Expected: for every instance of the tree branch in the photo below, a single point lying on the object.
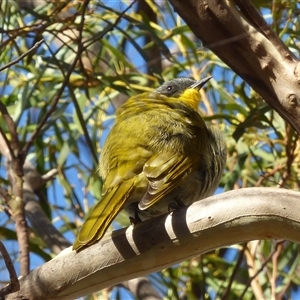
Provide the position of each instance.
(32, 182)
(40, 223)
(15, 173)
(225, 219)
(14, 285)
(35, 46)
(238, 36)
(63, 85)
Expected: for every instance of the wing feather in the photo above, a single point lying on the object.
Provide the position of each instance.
(164, 172)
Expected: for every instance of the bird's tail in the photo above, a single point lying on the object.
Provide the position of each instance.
(103, 214)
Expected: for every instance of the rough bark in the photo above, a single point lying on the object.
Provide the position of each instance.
(239, 36)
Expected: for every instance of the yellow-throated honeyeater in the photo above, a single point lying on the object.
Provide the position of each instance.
(159, 155)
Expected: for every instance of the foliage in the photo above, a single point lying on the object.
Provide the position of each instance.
(92, 58)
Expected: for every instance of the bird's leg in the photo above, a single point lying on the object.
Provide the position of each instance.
(175, 205)
(136, 219)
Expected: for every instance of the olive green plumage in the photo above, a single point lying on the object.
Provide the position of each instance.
(159, 155)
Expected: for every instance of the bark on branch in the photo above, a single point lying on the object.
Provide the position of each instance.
(240, 37)
(224, 219)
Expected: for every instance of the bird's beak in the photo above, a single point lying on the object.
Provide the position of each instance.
(199, 84)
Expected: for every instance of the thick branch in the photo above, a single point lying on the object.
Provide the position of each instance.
(249, 48)
(40, 222)
(224, 219)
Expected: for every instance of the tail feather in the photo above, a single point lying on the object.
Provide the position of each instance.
(103, 214)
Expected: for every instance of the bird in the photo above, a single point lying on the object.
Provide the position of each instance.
(159, 156)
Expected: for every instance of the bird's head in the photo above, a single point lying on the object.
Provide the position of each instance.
(185, 89)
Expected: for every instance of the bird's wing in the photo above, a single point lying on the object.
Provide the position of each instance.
(103, 213)
(164, 171)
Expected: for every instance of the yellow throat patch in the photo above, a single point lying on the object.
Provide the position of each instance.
(192, 97)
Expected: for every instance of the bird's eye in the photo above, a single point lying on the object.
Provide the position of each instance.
(170, 88)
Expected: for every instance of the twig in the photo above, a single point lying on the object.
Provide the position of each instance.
(14, 284)
(273, 276)
(235, 270)
(5, 147)
(110, 27)
(4, 194)
(36, 45)
(290, 146)
(267, 175)
(59, 93)
(81, 48)
(260, 269)
(13, 144)
(49, 175)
